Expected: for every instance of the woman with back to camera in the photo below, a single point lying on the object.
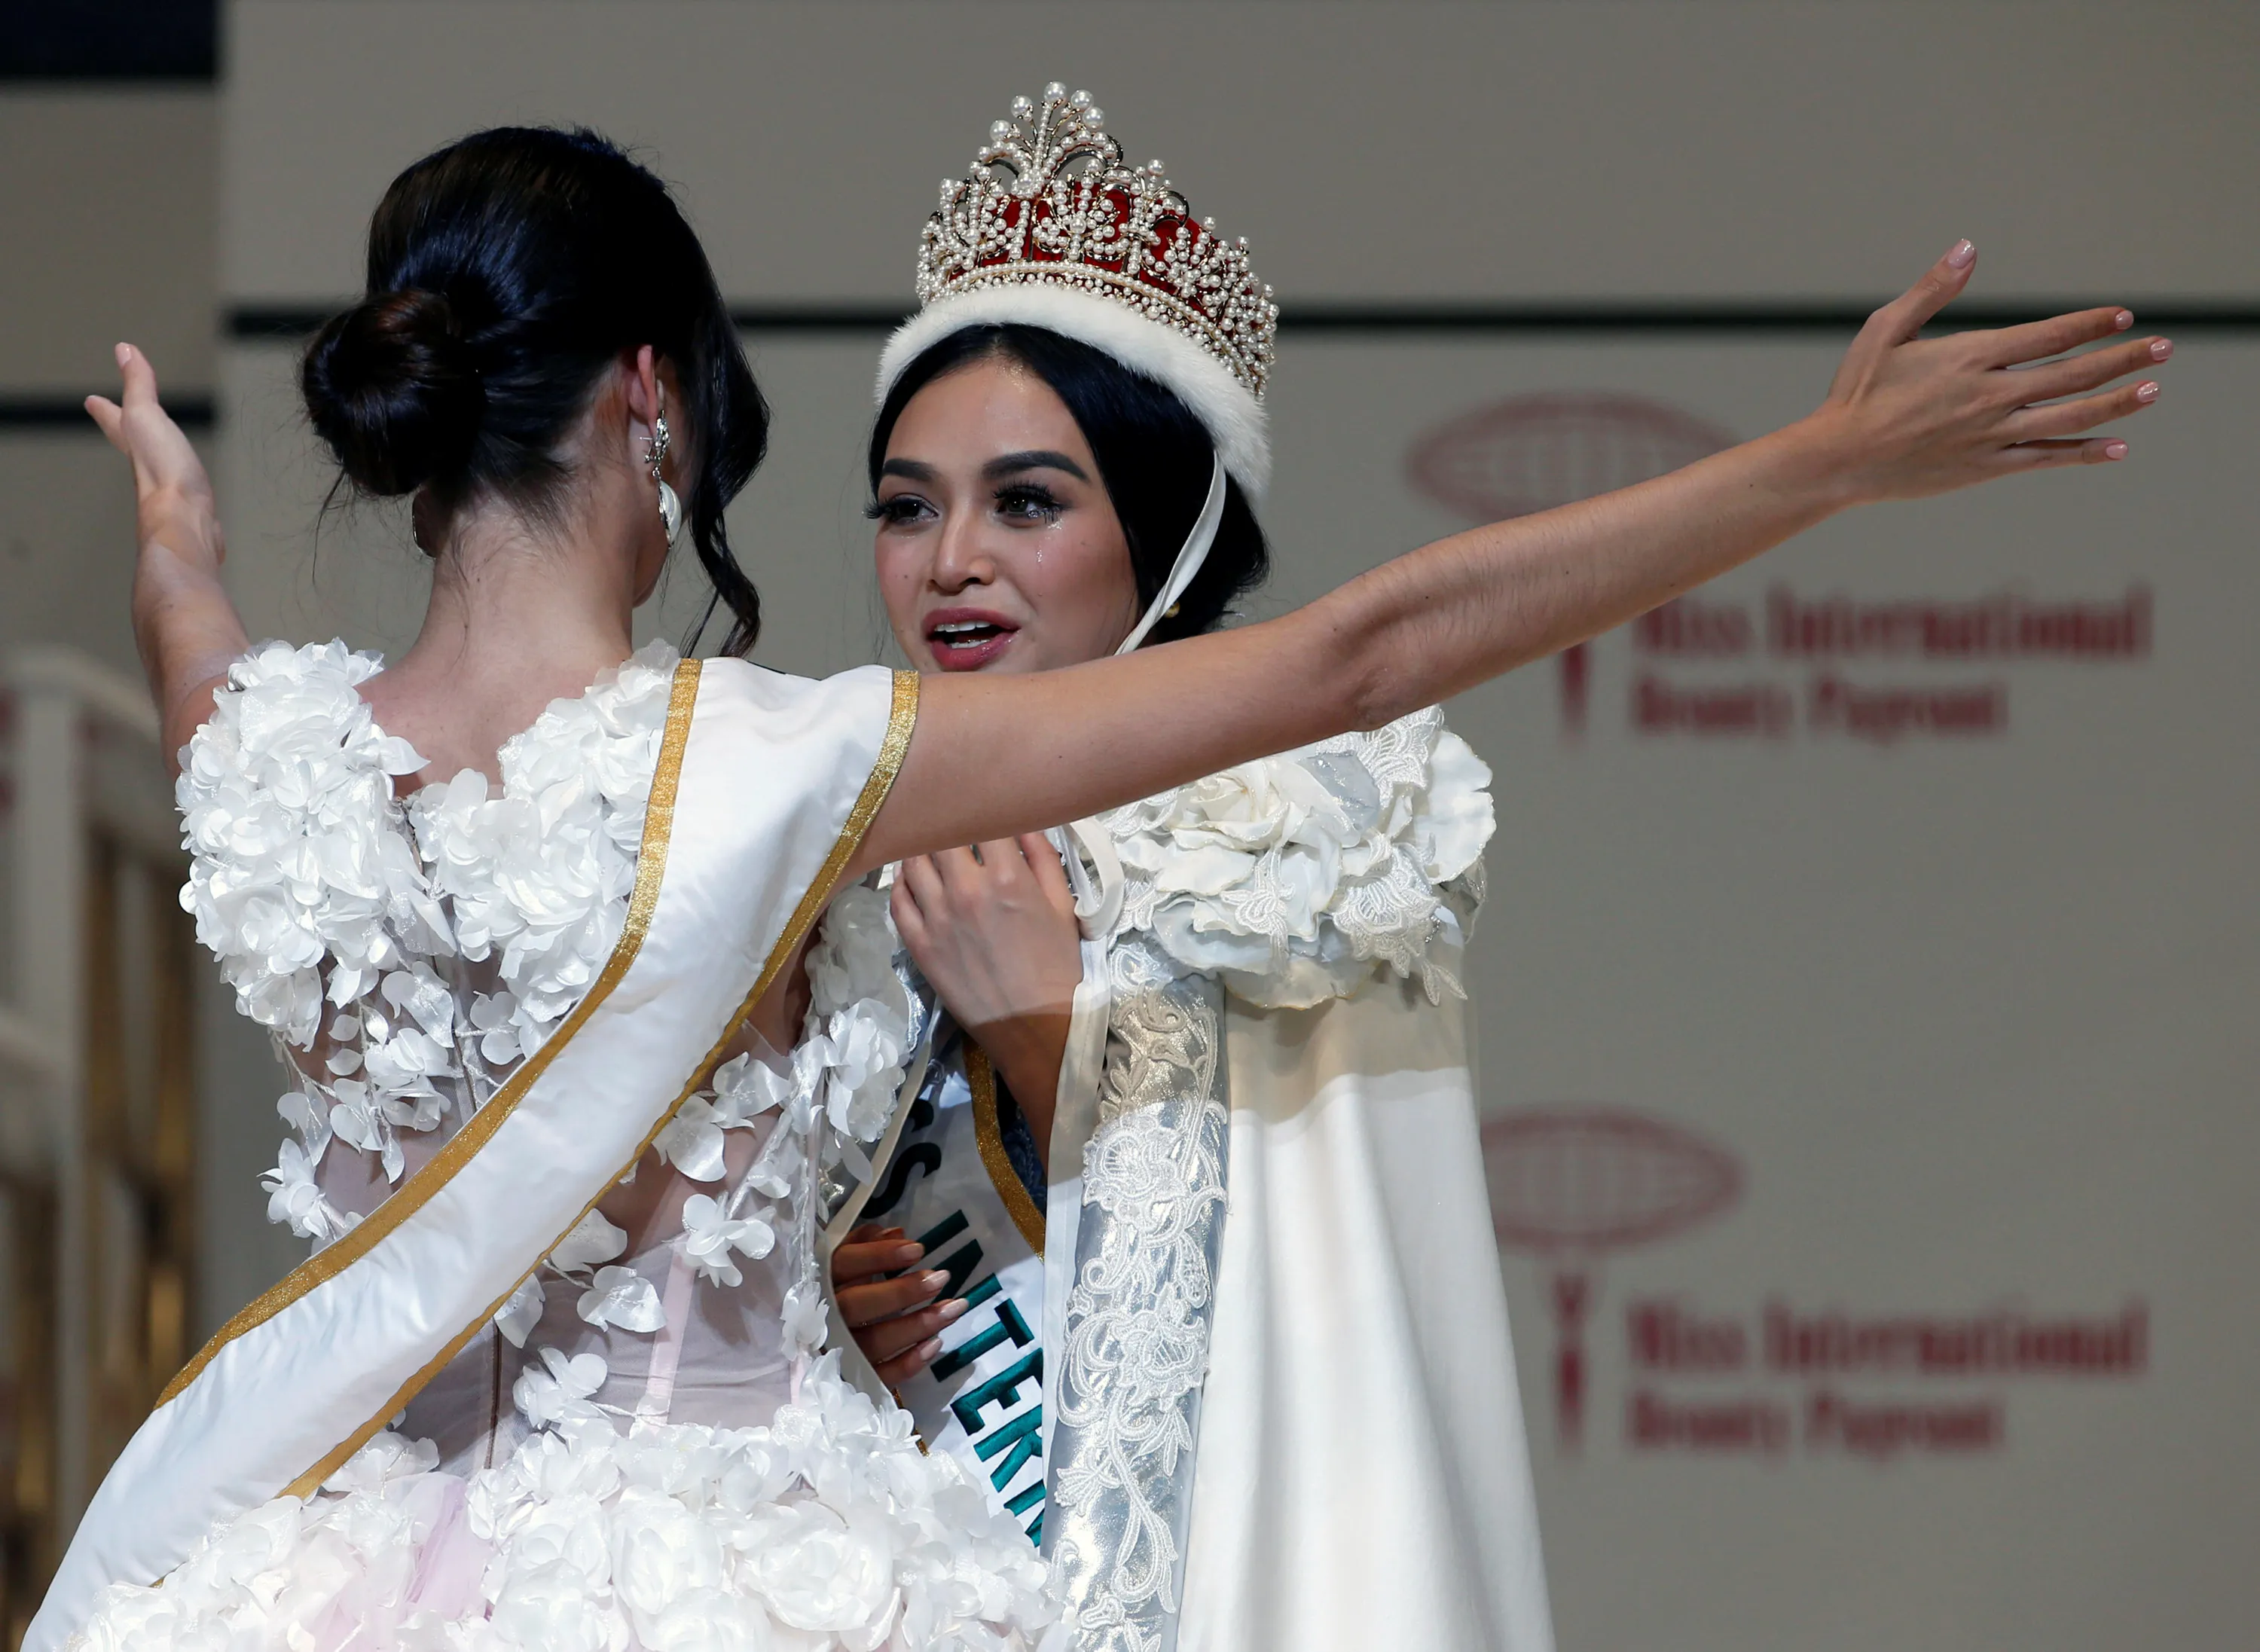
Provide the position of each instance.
(574, 1094)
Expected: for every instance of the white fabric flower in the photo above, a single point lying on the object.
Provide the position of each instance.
(552, 1611)
(592, 1240)
(559, 1389)
(573, 1465)
(865, 1054)
(388, 1458)
(523, 1311)
(359, 1120)
(818, 1569)
(662, 1552)
(745, 1089)
(1452, 819)
(805, 1316)
(622, 1297)
(494, 1018)
(691, 1140)
(310, 1117)
(405, 1065)
(294, 1199)
(836, 1092)
(775, 1171)
(1295, 877)
(418, 991)
(709, 1236)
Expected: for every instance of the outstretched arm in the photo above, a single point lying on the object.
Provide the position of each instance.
(1906, 418)
(186, 628)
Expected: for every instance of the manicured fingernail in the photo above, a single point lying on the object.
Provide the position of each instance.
(2146, 392)
(934, 1279)
(927, 1349)
(124, 353)
(2123, 320)
(952, 1308)
(2115, 450)
(1959, 254)
(2162, 349)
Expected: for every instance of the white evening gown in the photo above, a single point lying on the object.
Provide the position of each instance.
(645, 1446)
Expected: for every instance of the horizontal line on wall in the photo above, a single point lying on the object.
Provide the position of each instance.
(1709, 317)
(253, 322)
(68, 412)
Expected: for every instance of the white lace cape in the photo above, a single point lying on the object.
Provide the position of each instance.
(1288, 882)
(343, 919)
(1297, 878)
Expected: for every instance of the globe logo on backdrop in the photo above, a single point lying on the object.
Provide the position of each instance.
(1531, 453)
(1570, 1185)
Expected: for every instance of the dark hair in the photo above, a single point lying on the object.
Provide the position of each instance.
(506, 272)
(1153, 457)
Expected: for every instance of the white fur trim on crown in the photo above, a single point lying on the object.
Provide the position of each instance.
(1235, 420)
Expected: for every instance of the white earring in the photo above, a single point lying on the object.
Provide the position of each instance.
(654, 450)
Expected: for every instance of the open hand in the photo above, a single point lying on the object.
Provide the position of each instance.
(888, 1304)
(173, 495)
(1910, 416)
(184, 626)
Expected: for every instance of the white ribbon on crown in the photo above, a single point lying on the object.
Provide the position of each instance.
(1193, 553)
(1096, 872)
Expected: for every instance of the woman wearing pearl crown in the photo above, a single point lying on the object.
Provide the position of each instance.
(580, 1089)
(1190, 1197)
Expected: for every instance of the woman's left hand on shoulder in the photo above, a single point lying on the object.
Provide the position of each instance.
(993, 927)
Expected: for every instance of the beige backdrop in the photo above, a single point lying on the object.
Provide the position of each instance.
(1957, 1024)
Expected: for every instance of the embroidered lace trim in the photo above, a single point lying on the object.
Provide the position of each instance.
(1138, 1315)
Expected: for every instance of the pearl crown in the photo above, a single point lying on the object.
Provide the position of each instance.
(1049, 199)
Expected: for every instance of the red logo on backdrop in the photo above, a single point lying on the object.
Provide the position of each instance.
(1531, 453)
(1571, 1184)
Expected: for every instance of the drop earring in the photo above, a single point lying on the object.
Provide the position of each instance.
(654, 450)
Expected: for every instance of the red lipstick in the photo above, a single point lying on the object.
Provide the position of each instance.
(967, 639)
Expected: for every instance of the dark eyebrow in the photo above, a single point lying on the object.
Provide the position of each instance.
(910, 470)
(1034, 459)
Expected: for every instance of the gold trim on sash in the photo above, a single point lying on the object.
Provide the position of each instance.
(435, 1174)
(901, 717)
(981, 1078)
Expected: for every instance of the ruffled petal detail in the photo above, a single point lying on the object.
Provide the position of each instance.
(338, 914)
(540, 874)
(1297, 877)
(828, 1530)
(285, 799)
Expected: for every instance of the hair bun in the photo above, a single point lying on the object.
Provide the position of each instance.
(391, 387)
